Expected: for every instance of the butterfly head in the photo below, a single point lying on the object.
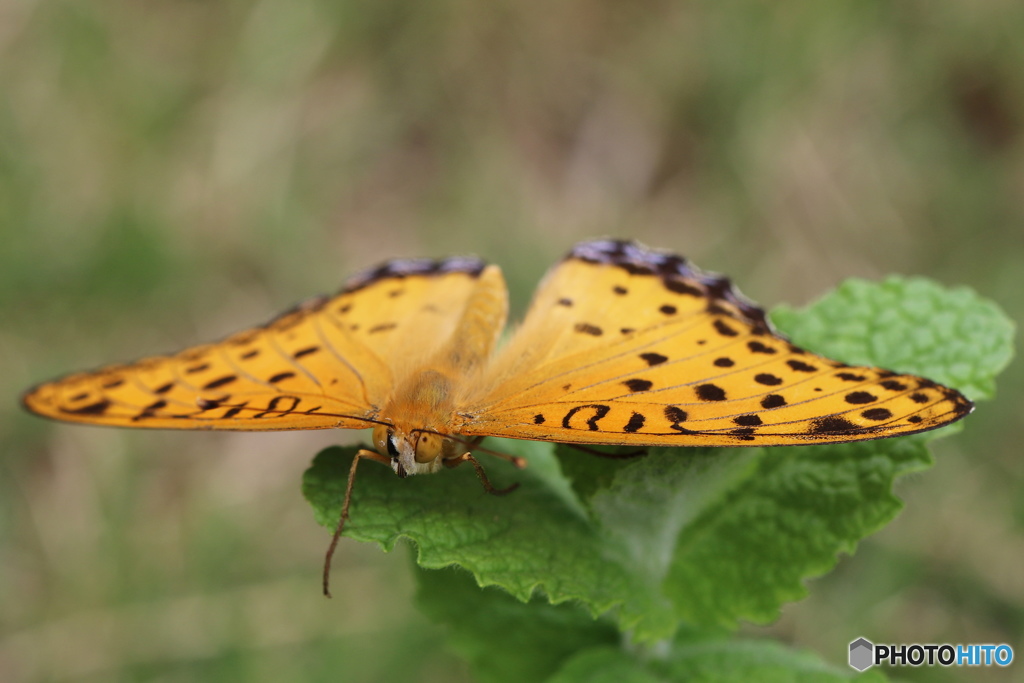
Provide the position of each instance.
(413, 451)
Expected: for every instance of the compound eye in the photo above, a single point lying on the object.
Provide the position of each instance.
(428, 447)
(392, 446)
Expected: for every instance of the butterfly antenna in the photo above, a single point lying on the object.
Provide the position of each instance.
(344, 513)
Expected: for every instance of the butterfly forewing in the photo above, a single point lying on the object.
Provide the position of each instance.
(634, 346)
(327, 363)
(406, 310)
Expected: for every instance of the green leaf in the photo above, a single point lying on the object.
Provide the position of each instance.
(751, 550)
(606, 665)
(537, 537)
(703, 537)
(737, 661)
(505, 640)
(911, 325)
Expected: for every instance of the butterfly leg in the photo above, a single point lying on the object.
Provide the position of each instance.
(362, 453)
(474, 445)
(466, 457)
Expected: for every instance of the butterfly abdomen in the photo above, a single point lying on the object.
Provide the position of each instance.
(480, 325)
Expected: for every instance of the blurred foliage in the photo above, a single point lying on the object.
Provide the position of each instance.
(171, 172)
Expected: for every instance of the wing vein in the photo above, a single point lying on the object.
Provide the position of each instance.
(272, 338)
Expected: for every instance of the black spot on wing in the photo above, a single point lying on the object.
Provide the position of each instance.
(636, 421)
(961, 405)
(680, 287)
(724, 362)
(675, 415)
(305, 352)
(710, 392)
(278, 406)
(767, 379)
(599, 412)
(859, 397)
(717, 309)
(758, 347)
(636, 385)
(723, 329)
(231, 412)
(772, 401)
(587, 328)
(831, 425)
(877, 414)
(97, 408)
(653, 358)
(801, 366)
(743, 433)
(220, 381)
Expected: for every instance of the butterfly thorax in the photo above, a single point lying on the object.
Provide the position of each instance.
(421, 408)
(418, 415)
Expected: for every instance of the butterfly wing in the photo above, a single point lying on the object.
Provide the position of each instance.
(329, 362)
(627, 345)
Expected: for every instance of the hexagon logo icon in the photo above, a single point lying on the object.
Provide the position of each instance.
(862, 654)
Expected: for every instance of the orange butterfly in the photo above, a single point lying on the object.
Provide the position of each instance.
(621, 345)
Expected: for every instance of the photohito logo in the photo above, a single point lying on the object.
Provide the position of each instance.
(865, 654)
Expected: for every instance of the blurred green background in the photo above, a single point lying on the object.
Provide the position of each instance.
(174, 171)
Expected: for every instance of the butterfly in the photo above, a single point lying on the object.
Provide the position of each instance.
(621, 344)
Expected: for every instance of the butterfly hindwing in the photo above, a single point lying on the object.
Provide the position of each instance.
(627, 345)
(329, 362)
